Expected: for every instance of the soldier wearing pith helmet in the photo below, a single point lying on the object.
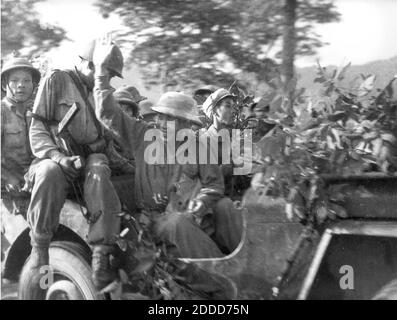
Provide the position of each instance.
(129, 98)
(178, 107)
(56, 169)
(19, 64)
(174, 196)
(200, 95)
(19, 80)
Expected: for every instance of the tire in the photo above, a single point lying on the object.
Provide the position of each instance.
(70, 263)
(388, 292)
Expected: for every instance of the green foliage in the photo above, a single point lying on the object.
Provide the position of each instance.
(22, 29)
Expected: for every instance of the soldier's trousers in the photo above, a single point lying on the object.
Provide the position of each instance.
(49, 193)
(193, 242)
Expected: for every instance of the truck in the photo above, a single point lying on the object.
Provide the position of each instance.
(352, 258)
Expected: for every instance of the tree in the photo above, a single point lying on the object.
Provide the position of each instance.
(22, 29)
(287, 66)
(211, 41)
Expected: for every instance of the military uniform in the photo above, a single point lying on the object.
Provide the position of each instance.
(16, 155)
(55, 96)
(209, 107)
(179, 183)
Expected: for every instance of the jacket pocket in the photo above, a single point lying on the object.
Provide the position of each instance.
(13, 137)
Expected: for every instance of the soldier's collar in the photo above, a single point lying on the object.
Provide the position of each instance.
(17, 107)
(85, 86)
(11, 104)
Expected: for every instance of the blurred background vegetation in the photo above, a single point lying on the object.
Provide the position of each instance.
(23, 32)
(182, 44)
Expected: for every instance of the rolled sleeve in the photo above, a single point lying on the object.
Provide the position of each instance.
(41, 142)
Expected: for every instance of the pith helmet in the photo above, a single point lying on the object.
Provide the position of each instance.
(145, 108)
(115, 60)
(214, 99)
(136, 96)
(178, 105)
(19, 63)
(87, 51)
(206, 89)
(123, 96)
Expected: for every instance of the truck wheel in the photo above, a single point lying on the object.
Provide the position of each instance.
(388, 292)
(70, 263)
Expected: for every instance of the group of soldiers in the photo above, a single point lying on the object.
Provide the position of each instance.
(103, 132)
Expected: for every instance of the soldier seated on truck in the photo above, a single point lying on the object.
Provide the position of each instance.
(128, 97)
(64, 161)
(200, 95)
(219, 108)
(174, 197)
(18, 79)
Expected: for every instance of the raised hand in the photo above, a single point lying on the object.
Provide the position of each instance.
(102, 52)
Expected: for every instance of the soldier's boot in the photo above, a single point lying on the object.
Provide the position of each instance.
(33, 284)
(102, 272)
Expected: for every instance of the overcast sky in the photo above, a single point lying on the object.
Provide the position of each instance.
(80, 19)
(367, 31)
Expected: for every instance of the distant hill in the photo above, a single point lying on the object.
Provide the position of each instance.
(384, 70)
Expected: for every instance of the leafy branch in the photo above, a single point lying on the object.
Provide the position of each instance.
(343, 131)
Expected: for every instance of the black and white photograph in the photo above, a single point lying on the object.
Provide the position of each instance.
(216, 152)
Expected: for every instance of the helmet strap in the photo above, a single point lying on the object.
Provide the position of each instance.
(13, 95)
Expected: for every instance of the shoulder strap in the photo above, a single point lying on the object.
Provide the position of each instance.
(87, 102)
(42, 119)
